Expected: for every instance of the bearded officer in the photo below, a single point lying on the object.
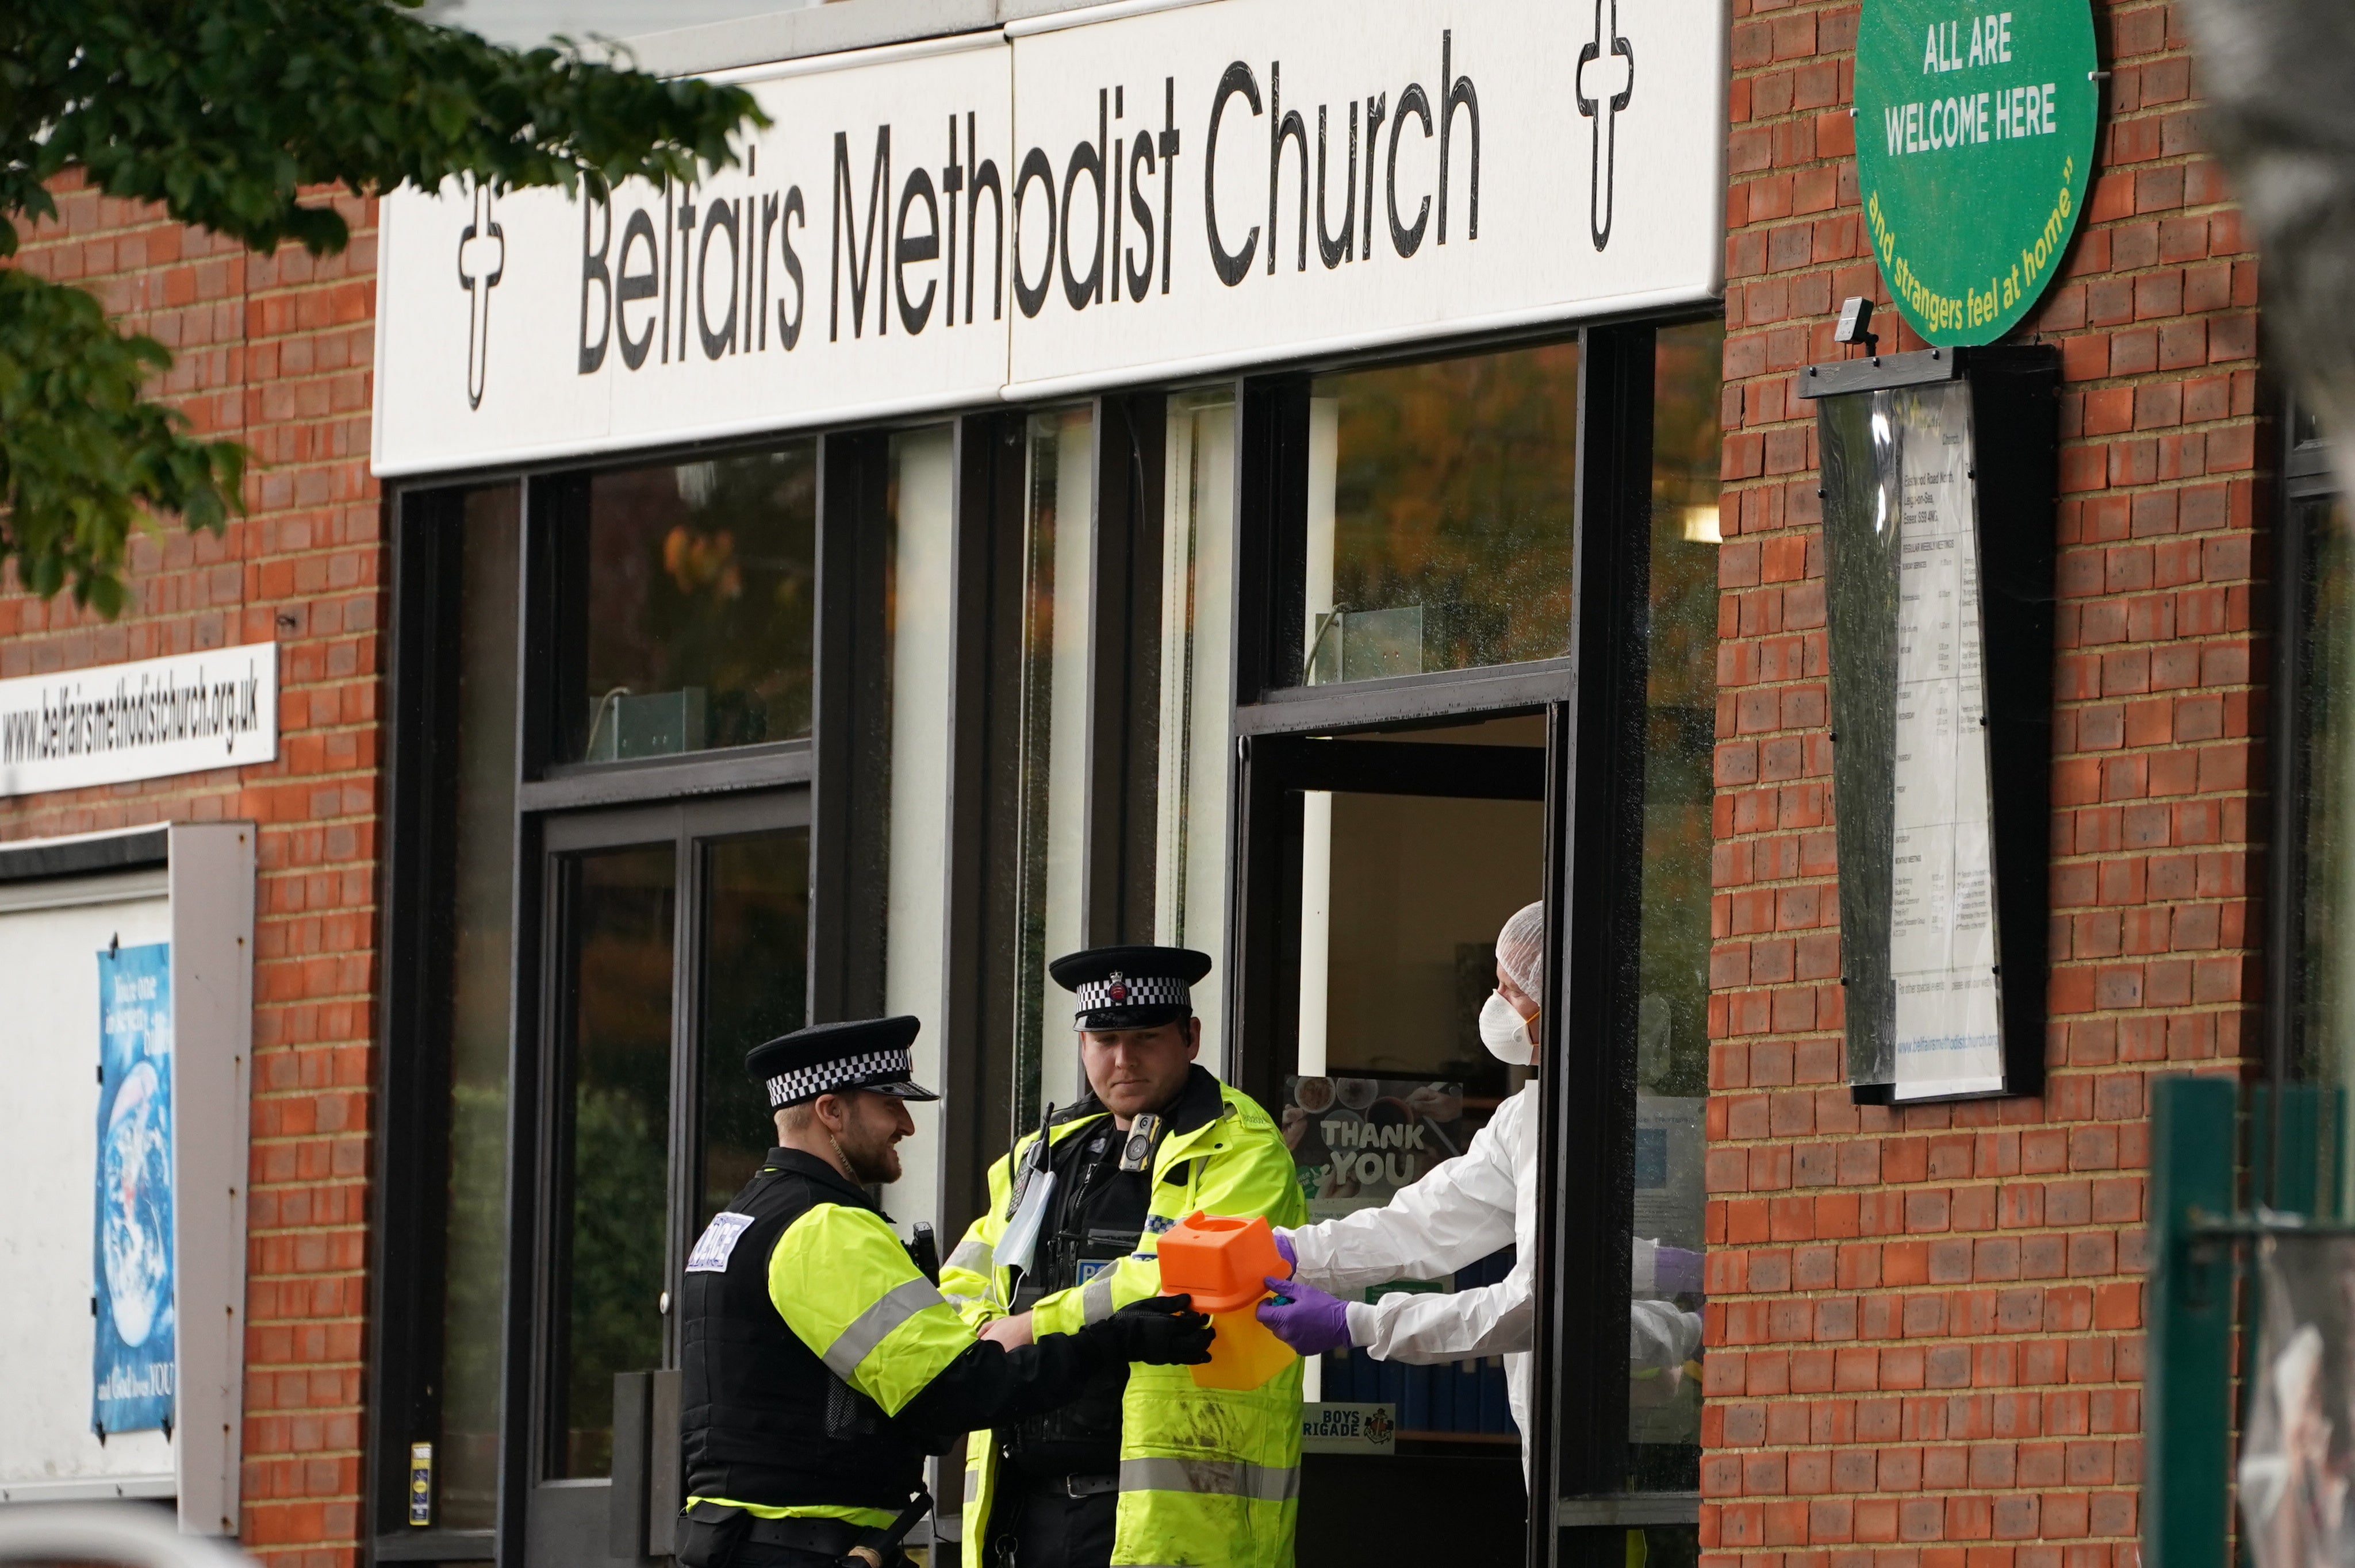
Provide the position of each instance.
(1143, 1467)
(820, 1365)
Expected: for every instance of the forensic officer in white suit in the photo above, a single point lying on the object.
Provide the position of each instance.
(1463, 1211)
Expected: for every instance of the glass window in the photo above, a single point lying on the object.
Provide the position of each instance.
(920, 559)
(2326, 737)
(1198, 588)
(614, 1147)
(1056, 550)
(1441, 504)
(2305, 425)
(679, 938)
(755, 955)
(481, 961)
(687, 606)
(1672, 1022)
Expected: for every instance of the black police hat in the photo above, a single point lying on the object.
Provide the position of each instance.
(868, 1054)
(1132, 986)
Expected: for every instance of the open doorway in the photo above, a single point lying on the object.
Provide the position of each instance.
(1415, 846)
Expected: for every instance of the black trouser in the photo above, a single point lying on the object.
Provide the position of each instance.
(726, 1538)
(760, 1554)
(1037, 1523)
(753, 1554)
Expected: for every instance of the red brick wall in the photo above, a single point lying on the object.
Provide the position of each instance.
(275, 351)
(1926, 1326)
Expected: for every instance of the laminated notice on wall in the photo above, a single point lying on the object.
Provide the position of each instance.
(133, 1370)
(1942, 935)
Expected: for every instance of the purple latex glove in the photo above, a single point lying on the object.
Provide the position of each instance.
(1290, 1258)
(1676, 1271)
(1310, 1322)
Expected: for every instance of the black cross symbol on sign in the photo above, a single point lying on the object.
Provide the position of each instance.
(1613, 83)
(481, 261)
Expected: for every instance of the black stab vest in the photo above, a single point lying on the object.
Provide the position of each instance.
(1096, 1216)
(764, 1419)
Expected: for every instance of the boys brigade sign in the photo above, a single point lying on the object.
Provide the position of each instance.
(1974, 144)
(1067, 205)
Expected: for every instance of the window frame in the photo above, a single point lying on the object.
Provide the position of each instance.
(838, 765)
(408, 1249)
(689, 826)
(1594, 769)
(2306, 477)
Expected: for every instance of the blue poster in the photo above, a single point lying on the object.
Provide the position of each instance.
(132, 1374)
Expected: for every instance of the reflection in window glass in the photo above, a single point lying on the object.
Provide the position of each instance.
(1196, 690)
(483, 889)
(692, 607)
(614, 1147)
(1672, 1033)
(1055, 556)
(1441, 504)
(755, 987)
(2326, 733)
(920, 559)
(2305, 425)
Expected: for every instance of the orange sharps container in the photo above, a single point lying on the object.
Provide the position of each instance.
(1223, 1264)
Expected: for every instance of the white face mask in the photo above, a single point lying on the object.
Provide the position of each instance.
(1505, 1031)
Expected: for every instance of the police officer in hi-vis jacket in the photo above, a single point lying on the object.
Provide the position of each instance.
(1143, 1467)
(819, 1364)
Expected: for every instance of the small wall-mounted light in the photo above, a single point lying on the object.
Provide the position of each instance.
(1856, 324)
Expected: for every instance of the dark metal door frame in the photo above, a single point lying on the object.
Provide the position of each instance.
(567, 1518)
(1592, 783)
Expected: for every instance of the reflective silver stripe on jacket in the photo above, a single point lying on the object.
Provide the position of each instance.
(1095, 1298)
(899, 1304)
(973, 1487)
(973, 1255)
(1219, 1477)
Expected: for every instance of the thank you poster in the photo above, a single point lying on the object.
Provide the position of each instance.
(132, 1374)
(1356, 1141)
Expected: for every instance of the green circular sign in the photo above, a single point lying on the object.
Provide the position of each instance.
(1974, 143)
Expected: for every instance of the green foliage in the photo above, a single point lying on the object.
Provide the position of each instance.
(243, 116)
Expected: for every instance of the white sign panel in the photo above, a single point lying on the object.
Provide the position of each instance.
(1941, 936)
(113, 724)
(49, 1153)
(152, 1154)
(1328, 177)
(1150, 195)
(828, 276)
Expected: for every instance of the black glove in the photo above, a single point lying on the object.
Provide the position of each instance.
(1160, 1330)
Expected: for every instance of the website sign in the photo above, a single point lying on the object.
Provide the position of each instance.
(115, 724)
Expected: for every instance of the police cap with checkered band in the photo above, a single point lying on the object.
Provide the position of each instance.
(868, 1054)
(1131, 986)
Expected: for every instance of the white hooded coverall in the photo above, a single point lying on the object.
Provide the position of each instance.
(1463, 1210)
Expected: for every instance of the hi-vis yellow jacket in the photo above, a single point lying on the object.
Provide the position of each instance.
(1208, 1478)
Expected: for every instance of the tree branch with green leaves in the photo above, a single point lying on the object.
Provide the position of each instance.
(243, 117)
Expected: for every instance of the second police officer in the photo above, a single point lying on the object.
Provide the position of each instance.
(1143, 1467)
(819, 1364)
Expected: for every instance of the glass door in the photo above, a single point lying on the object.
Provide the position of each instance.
(675, 938)
(1397, 858)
